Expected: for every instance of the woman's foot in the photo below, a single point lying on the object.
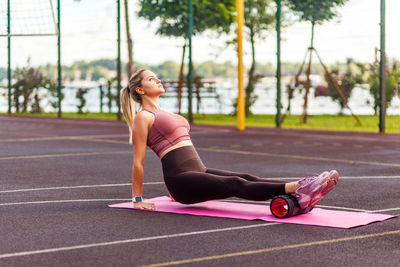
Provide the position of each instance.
(313, 189)
(333, 180)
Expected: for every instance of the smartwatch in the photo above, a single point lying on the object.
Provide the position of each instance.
(137, 199)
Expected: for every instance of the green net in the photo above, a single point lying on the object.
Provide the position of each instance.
(28, 18)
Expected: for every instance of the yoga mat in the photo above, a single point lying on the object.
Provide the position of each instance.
(318, 217)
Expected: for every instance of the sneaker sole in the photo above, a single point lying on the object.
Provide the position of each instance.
(325, 188)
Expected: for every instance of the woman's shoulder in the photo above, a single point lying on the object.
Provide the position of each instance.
(144, 114)
(144, 118)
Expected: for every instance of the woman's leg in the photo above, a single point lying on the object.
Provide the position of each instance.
(193, 187)
(247, 176)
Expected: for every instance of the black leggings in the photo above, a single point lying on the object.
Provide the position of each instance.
(189, 181)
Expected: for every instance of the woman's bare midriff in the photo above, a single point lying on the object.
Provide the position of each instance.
(180, 144)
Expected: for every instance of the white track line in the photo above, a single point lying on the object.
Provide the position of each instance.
(118, 242)
(73, 187)
(342, 208)
(61, 187)
(71, 137)
(63, 201)
(290, 132)
(157, 183)
(370, 177)
(126, 199)
(352, 136)
(63, 121)
(391, 209)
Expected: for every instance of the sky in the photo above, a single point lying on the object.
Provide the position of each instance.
(89, 32)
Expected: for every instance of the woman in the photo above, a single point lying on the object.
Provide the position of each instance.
(187, 179)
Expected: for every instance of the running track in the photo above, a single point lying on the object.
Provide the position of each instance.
(58, 175)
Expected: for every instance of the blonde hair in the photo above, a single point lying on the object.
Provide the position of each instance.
(128, 98)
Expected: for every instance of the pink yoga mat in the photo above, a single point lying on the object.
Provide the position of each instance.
(319, 217)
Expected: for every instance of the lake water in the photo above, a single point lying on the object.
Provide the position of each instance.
(227, 91)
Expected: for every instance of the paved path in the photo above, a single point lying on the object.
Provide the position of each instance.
(58, 175)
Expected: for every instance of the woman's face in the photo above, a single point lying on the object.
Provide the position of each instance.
(151, 85)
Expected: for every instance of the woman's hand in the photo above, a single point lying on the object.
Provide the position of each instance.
(144, 205)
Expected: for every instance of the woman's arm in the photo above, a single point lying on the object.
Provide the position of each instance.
(139, 139)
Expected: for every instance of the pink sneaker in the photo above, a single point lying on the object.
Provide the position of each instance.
(310, 191)
(332, 182)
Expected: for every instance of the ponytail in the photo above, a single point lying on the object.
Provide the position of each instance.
(128, 108)
(128, 98)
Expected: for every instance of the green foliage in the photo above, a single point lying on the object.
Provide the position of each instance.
(110, 64)
(249, 99)
(392, 82)
(96, 69)
(26, 89)
(168, 70)
(347, 80)
(355, 73)
(288, 68)
(111, 97)
(52, 87)
(49, 70)
(80, 94)
(315, 11)
(259, 17)
(212, 69)
(322, 122)
(173, 15)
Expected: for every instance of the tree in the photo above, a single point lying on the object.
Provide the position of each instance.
(210, 68)
(27, 85)
(167, 70)
(130, 65)
(259, 17)
(316, 12)
(392, 82)
(52, 87)
(80, 95)
(352, 75)
(173, 15)
(173, 19)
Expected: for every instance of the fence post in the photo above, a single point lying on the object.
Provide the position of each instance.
(59, 57)
(382, 74)
(9, 54)
(240, 101)
(101, 98)
(118, 58)
(190, 72)
(278, 65)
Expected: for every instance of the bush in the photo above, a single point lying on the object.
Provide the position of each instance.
(26, 89)
(80, 94)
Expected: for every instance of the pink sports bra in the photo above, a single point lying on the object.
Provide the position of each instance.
(168, 129)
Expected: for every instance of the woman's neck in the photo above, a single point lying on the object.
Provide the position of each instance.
(152, 105)
(151, 108)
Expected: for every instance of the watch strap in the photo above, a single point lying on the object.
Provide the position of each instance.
(137, 199)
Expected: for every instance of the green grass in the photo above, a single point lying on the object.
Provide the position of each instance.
(321, 122)
(324, 122)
